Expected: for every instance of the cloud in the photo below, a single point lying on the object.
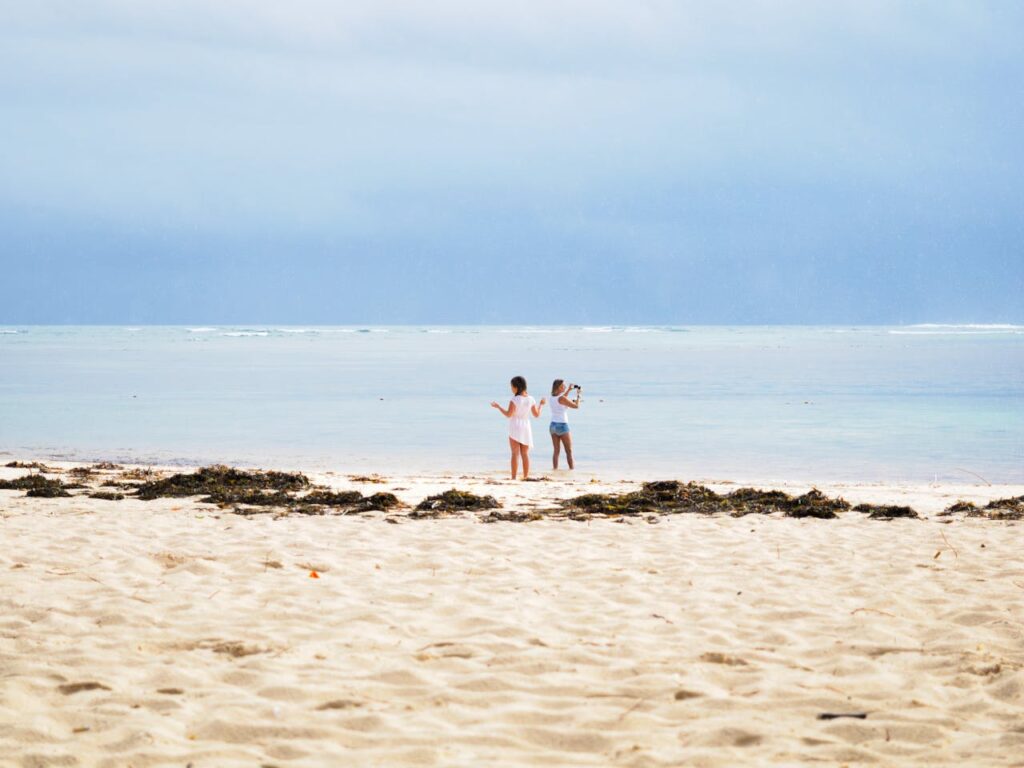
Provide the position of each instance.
(651, 132)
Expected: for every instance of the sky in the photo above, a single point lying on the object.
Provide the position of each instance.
(549, 162)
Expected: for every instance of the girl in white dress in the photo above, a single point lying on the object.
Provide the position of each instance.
(520, 435)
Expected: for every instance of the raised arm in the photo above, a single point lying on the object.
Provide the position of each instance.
(535, 410)
(506, 412)
(567, 402)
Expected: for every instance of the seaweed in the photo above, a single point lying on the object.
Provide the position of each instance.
(816, 504)
(53, 490)
(222, 484)
(1006, 509)
(754, 501)
(28, 465)
(961, 506)
(106, 496)
(25, 483)
(998, 509)
(668, 497)
(37, 486)
(137, 473)
(378, 502)
(886, 511)
(332, 498)
(252, 497)
(757, 496)
(661, 496)
(317, 502)
(456, 501)
(511, 517)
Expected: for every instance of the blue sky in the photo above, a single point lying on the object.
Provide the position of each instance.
(537, 162)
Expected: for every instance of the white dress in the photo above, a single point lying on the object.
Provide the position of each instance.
(519, 425)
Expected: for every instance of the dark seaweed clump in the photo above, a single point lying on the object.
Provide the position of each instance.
(54, 489)
(885, 511)
(106, 495)
(668, 497)
(333, 498)
(814, 503)
(244, 490)
(27, 465)
(378, 502)
(999, 509)
(225, 485)
(511, 517)
(37, 486)
(352, 501)
(252, 497)
(453, 501)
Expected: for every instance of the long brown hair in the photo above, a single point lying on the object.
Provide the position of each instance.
(519, 384)
(555, 385)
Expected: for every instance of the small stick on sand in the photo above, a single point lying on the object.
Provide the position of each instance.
(873, 610)
(961, 469)
(955, 553)
(636, 704)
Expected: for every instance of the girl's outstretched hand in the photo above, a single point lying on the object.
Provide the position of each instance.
(542, 401)
(494, 405)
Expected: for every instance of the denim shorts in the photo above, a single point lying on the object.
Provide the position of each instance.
(558, 428)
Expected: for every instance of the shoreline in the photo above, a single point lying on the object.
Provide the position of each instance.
(550, 486)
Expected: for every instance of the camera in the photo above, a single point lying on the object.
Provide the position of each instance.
(571, 387)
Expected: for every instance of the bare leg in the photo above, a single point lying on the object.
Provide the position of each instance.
(515, 457)
(525, 451)
(557, 445)
(567, 443)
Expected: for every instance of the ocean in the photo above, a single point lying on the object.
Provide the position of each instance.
(921, 403)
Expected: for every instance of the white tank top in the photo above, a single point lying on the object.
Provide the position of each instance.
(559, 412)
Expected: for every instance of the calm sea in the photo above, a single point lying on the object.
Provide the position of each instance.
(916, 403)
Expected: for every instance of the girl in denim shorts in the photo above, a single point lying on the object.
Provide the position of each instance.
(559, 428)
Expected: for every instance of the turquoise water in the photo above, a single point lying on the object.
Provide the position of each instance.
(917, 403)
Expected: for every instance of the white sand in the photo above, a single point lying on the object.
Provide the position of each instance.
(695, 641)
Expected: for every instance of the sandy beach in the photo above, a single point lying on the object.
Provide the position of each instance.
(173, 632)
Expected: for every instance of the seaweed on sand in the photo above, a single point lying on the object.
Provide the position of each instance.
(106, 495)
(350, 501)
(1006, 509)
(660, 496)
(37, 486)
(223, 484)
(27, 465)
(511, 517)
(378, 502)
(814, 503)
(754, 501)
(52, 490)
(886, 511)
(140, 473)
(668, 497)
(252, 497)
(452, 501)
(318, 504)
(332, 498)
(998, 509)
